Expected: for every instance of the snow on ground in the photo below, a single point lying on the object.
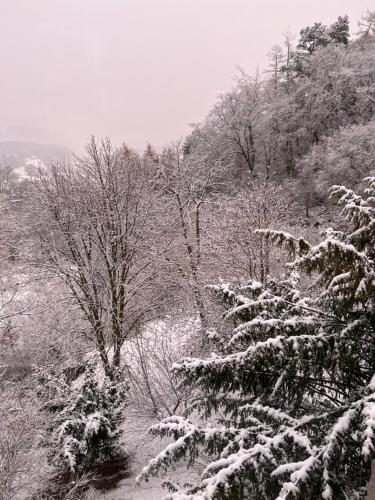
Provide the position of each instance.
(141, 446)
(128, 490)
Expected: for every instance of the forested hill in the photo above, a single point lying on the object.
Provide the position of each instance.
(308, 120)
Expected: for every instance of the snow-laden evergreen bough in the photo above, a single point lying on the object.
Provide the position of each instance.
(84, 429)
(295, 379)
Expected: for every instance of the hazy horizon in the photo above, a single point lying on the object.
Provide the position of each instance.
(137, 71)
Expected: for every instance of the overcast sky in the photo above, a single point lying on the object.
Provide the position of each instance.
(135, 70)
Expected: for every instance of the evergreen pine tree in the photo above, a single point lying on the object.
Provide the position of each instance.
(339, 31)
(285, 406)
(84, 429)
(313, 37)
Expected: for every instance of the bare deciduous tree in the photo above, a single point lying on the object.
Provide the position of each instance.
(242, 253)
(236, 118)
(99, 235)
(276, 59)
(154, 392)
(188, 188)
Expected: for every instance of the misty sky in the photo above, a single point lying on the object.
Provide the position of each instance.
(134, 70)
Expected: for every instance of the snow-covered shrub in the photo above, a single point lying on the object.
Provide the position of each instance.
(22, 461)
(84, 429)
(294, 383)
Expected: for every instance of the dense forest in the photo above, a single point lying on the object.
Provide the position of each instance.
(219, 293)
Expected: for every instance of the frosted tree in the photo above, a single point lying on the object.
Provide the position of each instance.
(339, 32)
(313, 37)
(276, 59)
(345, 157)
(287, 68)
(236, 116)
(99, 235)
(187, 189)
(84, 428)
(242, 254)
(319, 35)
(285, 405)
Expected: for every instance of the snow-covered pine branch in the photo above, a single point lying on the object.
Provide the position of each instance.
(293, 385)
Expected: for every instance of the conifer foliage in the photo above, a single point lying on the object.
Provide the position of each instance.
(285, 406)
(84, 429)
